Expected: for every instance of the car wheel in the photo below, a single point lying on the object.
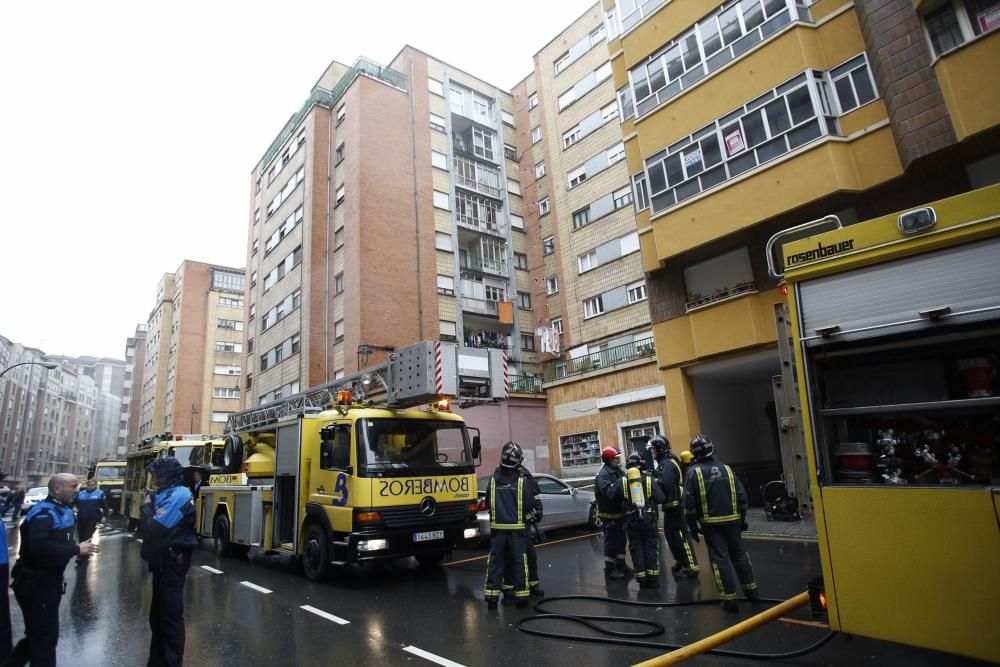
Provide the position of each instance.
(316, 554)
(220, 536)
(594, 522)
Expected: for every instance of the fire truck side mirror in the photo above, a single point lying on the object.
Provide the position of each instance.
(477, 447)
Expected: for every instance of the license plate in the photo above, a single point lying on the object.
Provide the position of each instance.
(428, 536)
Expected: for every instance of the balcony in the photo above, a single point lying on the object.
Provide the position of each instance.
(472, 263)
(607, 358)
(481, 306)
(971, 93)
(480, 215)
(695, 301)
(525, 384)
(477, 177)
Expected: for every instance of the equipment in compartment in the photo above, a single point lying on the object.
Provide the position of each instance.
(977, 376)
(854, 462)
(890, 466)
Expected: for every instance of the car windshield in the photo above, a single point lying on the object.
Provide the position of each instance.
(109, 472)
(414, 445)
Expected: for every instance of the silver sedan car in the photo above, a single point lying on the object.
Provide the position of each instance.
(563, 505)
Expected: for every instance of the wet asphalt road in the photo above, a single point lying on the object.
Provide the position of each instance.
(265, 613)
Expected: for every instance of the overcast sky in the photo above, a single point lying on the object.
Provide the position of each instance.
(130, 129)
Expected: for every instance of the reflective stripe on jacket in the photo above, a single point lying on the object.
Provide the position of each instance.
(608, 490)
(713, 493)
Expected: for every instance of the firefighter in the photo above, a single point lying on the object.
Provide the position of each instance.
(511, 502)
(641, 495)
(534, 585)
(91, 509)
(47, 546)
(608, 489)
(671, 478)
(167, 520)
(715, 504)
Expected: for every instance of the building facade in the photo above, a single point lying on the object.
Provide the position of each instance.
(194, 350)
(109, 376)
(135, 359)
(744, 119)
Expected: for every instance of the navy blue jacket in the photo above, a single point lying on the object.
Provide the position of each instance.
(672, 480)
(608, 489)
(91, 504)
(713, 493)
(167, 523)
(511, 500)
(47, 543)
(654, 497)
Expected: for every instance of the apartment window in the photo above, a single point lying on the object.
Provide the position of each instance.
(226, 280)
(532, 101)
(338, 374)
(551, 285)
(523, 300)
(228, 346)
(520, 261)
(338, 238)
(528, 342)
(227, 369)
(577, 176)
(593, 307)
(571, 137)
(636, 292)
(548, 245)
(543, 207)
(256, 246)
(616, 153)
(284, 230)
(626, 107)
(536, 135)
(235, 325)
(622, 198)
(588, 260)
(441, 200)
(446, 285)
(640, 191)
(447, 329)
(540, 169)
(220, 417)
(229, 302)
(225, 392)
(562, 63)
(437, 123)
(516, 221)
(513, 187)
(286, 192)
(439, 160)
(435, 86)
(340, 154)
(510, 152)
(585, 85)
(507, 118)
(581, 218)
(338, 283)
(338, 329)
(341, 114)
(557, 325)
(959, 21)
(482, 143)
(340, 196)
(853, 83)
(250, 346)
(442, 241)
(293, 259)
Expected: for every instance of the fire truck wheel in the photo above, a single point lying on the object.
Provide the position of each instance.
(220, 535)
(316, 553)
(430, 559)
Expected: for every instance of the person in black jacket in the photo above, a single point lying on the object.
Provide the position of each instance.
(511, 502)
(641, 519)
(534, 584)
(167, 521)
(91, 509)
(47, 545)
(608, 491)
(669, 472)
(716, 504)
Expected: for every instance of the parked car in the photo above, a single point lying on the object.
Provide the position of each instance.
(563, 505)
(33, 496)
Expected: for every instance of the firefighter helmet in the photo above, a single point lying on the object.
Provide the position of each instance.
(686, 457)
(634, 460)
(659, 444)
(609, 454)
(702, 447)
(512, 455)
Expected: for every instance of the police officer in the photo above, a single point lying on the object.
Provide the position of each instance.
(715, 504)
(167, 520)
(46, 547)
(534, 584)
(91, 508)
(608, 489)
(671, 478)
(511, 502)
(641, 519)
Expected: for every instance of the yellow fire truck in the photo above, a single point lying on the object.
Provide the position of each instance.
(193, 451)
(110, 476)
(370, 466)
(897, 340)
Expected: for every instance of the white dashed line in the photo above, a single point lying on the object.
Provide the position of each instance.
(259, 589)
(430, 656)
(323, 614)
(211, 569)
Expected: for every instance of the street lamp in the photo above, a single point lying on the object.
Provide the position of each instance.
(48, 365)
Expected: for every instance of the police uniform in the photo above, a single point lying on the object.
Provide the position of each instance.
(641, 529)
(715, 499)
(168, 539)
(534, 584)
(91, 507)
(511, 500)
(674, 528)
(608, 490)
(46, 547)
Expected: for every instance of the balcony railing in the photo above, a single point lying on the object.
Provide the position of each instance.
(482, 306)
(525, 384)
(697, 300)
(484, 265)
(476, 177)
(609, 358)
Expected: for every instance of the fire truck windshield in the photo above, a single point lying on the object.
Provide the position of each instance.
(109, 472)
(413, 445)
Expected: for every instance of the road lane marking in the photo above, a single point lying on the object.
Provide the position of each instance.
(211, 569)
(259, 589)
(812, 624)
(430, 656)
(537, 546)
(323, 614)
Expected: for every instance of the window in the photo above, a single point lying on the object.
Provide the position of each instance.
(548, 245)
(584, 85)
(338, 374)
(229, 302)
(437, 123)
(958, 21)
(228, 346)
(557, 325)
(480, 213)
(577, 176)
(571, 137)
(551, 285)
(532, 101)
(235, 325)
(340, 197)
(616, 153)
(516, 221)
(341, 113)
(528, 342)
(220, 417)
(439, 160)
(510, 152)
(226, 281)
(540, 169)
(587, 260)
(536, 135)
(338, 238)
(637, 292)
(853, 84)
(581, 218)
(543, 207)
(593, 307)
(523, 300)
(441, 200)
(622, 198)
(626, 107)
(640, 192)
(447, 329)
(225, 392)
(482, 143)
(446, 285)
(507, 118)
(286, 192)
(292, 260)
(279, 234)
(520, 261)
(227, 369)
(562, 63)
(338, 283)
(580, 449)
(250, 346)
(340, 153)
(338, 330)
(442, 241)
(435, 86)
(513, 187)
